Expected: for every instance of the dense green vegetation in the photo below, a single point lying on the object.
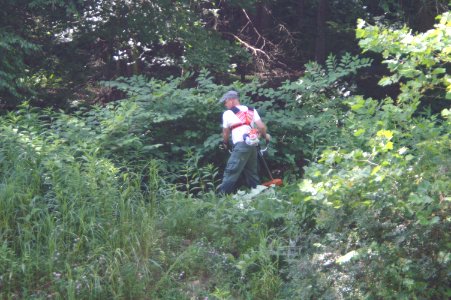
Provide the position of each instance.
(117, 200)
(55, 51)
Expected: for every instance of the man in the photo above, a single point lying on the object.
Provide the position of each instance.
(238, 121)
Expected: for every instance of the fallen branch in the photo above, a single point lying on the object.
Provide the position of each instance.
(255, 50)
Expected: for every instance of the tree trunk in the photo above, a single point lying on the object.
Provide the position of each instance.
(262, 17)
(300, 11)
(320, 45)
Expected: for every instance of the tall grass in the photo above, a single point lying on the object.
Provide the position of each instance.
(77, 225)
(70, 226)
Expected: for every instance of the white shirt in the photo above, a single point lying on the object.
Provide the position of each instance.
(229, 118)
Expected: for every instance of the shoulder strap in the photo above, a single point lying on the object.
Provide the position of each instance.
(245, 117)
(250, 115)
(235, 110)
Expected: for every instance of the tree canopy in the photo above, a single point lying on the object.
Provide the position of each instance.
(64, 47)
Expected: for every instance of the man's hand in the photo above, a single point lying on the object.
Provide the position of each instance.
(267, 138)
(223, 146)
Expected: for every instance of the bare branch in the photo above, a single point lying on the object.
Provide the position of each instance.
(248, 46)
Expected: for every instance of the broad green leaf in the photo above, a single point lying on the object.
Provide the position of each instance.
(375, 170)
(359, 132)
(385, 81)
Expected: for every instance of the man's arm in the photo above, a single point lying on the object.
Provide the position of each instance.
(262, 129)
(225, 136)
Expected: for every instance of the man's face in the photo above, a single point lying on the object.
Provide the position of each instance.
(228, 103)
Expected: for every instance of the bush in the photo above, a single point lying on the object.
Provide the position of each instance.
(381, 196)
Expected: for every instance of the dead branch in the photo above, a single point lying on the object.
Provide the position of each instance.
(254, 50)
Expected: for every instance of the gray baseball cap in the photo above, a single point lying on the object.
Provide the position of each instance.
(229, 95)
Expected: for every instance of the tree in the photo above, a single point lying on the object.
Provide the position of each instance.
(14, 50)
(320, 49)
(82, 42)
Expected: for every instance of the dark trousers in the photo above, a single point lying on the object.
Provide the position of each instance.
(243, 160)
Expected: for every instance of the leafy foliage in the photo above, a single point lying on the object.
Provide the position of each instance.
(385, 188)
(418, 62)
(156, 110)
(13, 50)
(117, 201)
